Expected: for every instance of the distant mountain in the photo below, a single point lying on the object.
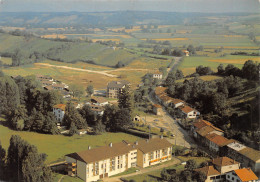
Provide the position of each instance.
(52, 19)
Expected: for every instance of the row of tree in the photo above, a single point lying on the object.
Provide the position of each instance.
(26, 105)
(23, 162)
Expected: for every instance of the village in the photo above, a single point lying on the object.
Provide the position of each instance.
(231, 160)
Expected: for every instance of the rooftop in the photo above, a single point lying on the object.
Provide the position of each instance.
(98, 99)
(246, 174)
(176, 101)
(236, 146)
(208, 171)
(60, 106)
(118, 84)
(217, 139)
(250, 153)
(160, 90)
(201, 123)
(224, 161)
(105, 152)
(186, 109)
(157, 105)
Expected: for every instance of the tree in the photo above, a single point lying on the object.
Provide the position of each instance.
(179, 75)
(17, 58)
(190, 164)
(170, 80)
(88, 115)
(99, 127)
(73, 129)
(90, 90)
(250, 70)
(24, 163)
(199, 176)
(191, 49)
(163, 70)
(165, 175)
(122, 120)
(17, 117)
(72, 116)
(125, 99)
(2, 162)
(221, 69)
(77, 91)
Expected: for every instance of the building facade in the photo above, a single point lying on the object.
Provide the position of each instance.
(102, 162)
(115, 87)
(59, 112)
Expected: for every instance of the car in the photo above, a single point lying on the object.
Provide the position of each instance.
(172, 135)
(156, 120)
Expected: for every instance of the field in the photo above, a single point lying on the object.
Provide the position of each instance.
(56, 146)
(189, 64)
(6, 60)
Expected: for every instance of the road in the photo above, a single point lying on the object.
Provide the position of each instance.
(142, 171)
(182, 137)
(78, 69)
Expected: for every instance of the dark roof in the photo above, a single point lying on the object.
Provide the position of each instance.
(98, 99)
(250, 153)
(153, 144)
(224, 161)
(117, 84)
(105, 152)
(102, 153)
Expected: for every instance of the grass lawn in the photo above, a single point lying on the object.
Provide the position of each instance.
(128, 171)
(6, 60)
(66, 178)
(56, 146)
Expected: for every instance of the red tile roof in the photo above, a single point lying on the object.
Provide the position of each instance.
(224, 161)
(246, 174)
(176, 101)
(201, 123)
(60, 106)
(186, 109)
(157, 105)
(208, 171)
(160, 90)
(217, 139)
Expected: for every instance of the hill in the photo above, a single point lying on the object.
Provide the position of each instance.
(65, 51)
(103, 19)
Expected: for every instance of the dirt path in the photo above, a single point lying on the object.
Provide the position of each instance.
(61, 178)
(142, 171)
(78, 69)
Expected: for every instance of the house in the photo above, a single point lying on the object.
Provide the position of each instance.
(44, 78)
(211, 173)
(100, 101)
(241, 175)
(157, 109)
(206, 130)
(225, 164)
(188, 112)
(175, 103)
(102, 162)
(158, 75)
(217, 171)
(215, 141)
(59, 112)
(247, 156)
(115, 87)
(198, 124)
(186, 52)
(98, 110)
(47, 83)
(58, 86)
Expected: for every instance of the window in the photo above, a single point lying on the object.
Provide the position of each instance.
(228, 176)
(232, 178)
(212, 178)
(144, 158)
(112, 164)
(218, 177)
(121, 165)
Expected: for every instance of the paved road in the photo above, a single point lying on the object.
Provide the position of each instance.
(182, 137)
(143, 170)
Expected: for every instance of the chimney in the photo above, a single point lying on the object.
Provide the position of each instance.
(161, 136)
(110, 145)
(136, 142)
(89, 147)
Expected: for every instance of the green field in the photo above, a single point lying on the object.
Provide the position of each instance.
(189, 64)
(56, 146)
(6, 60)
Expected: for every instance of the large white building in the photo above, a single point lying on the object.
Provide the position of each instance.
(59, 112)
(102, 162)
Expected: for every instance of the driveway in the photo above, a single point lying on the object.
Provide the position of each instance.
(143, 170)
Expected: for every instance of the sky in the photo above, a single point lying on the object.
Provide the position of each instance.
(216, 6)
